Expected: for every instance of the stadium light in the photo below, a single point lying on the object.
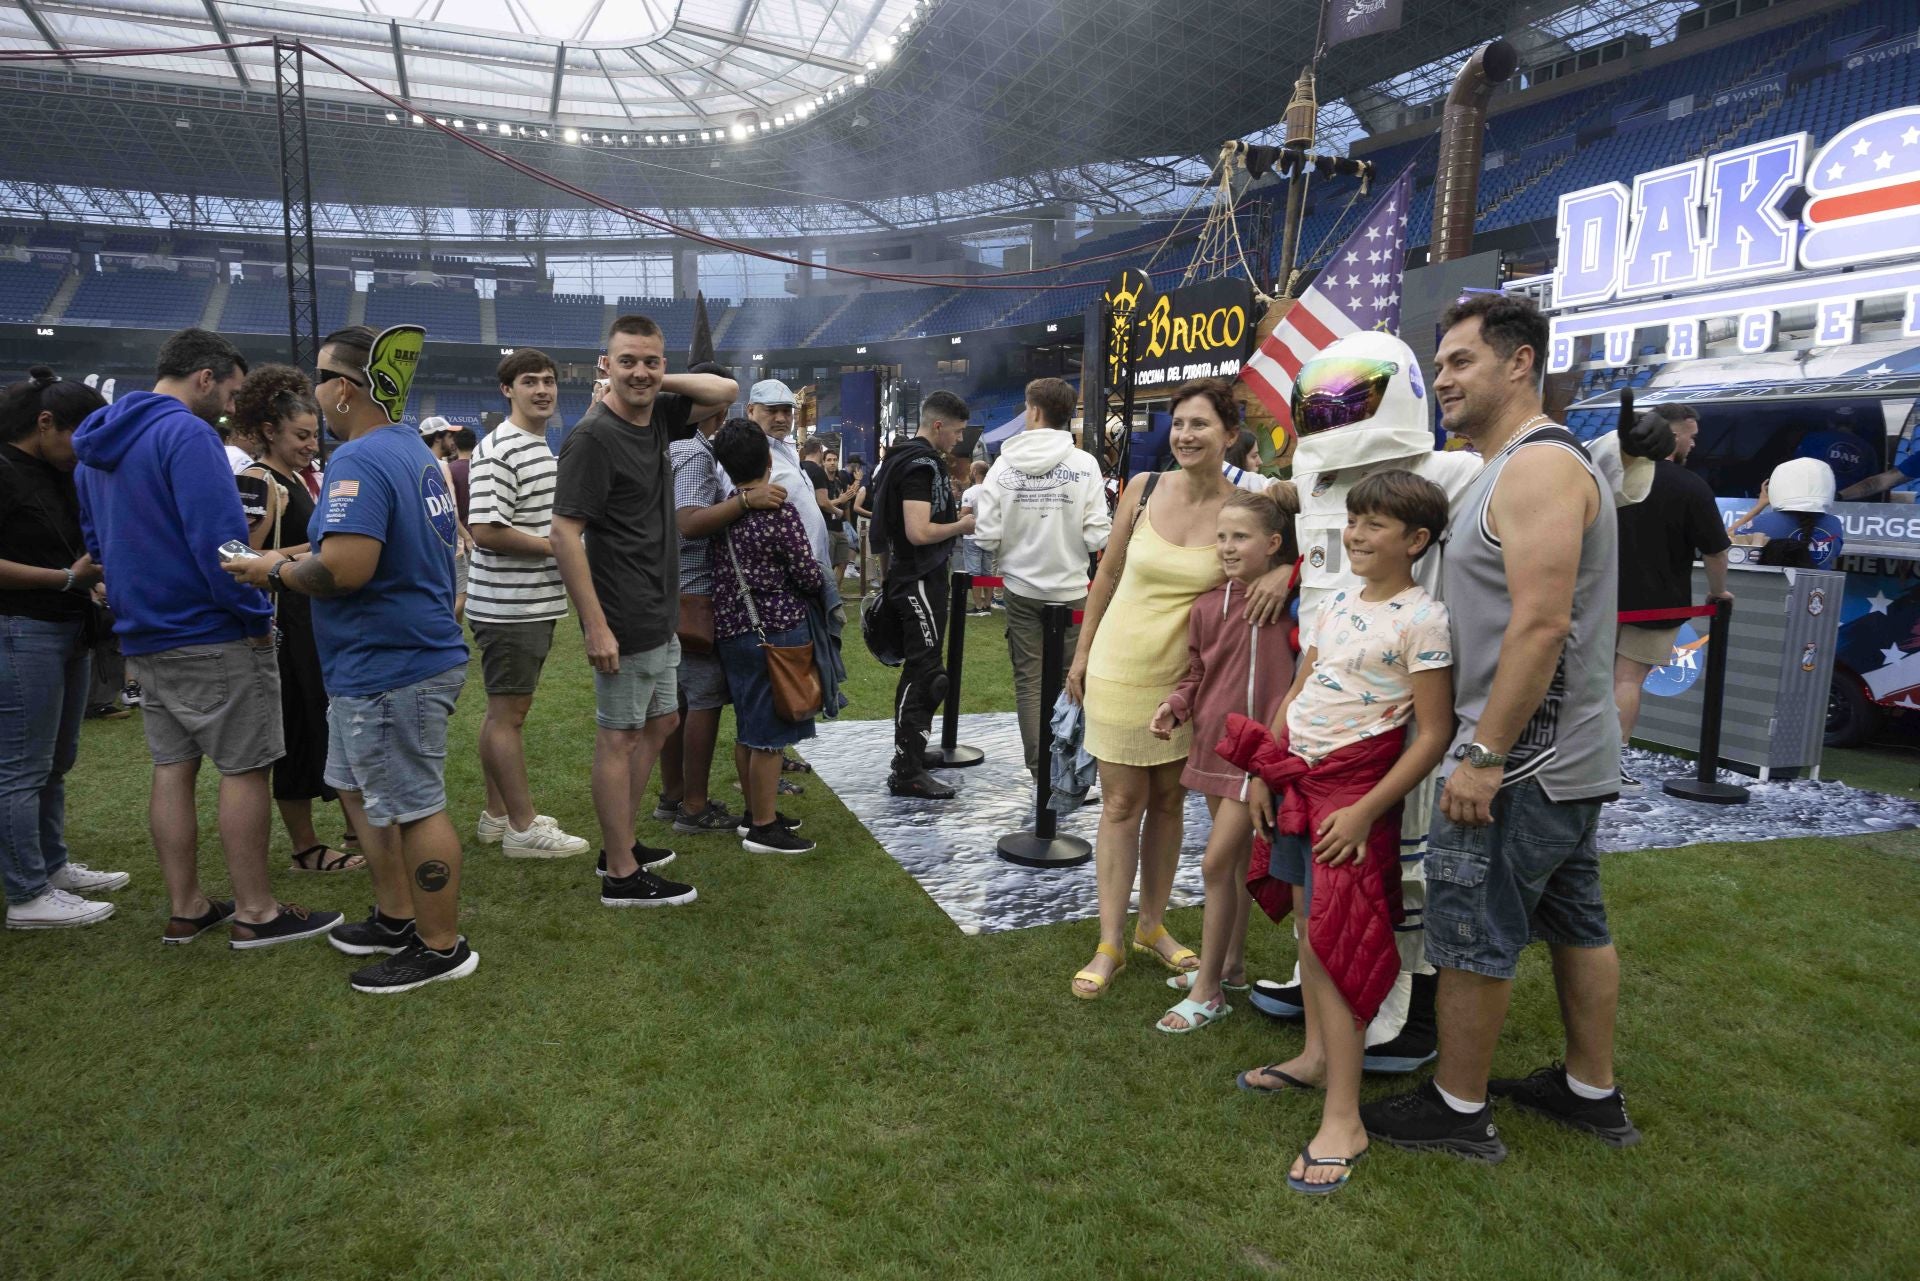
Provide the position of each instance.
(650, 140)
(739, 132)
(391, 118)
(543, 133)
(571, 135)
(605, 141)
(683, 137)
(459, 123)
(418, 120)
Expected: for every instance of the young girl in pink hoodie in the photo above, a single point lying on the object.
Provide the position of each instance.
(1232, 666)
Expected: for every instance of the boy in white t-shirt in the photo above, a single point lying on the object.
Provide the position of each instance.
(514, 598)
(1374, 659)
(975, 559)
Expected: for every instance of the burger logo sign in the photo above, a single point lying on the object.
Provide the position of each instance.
(1709, 240)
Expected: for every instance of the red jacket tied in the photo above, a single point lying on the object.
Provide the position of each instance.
(1356, 906)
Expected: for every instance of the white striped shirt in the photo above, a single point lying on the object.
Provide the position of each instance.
(511, 481)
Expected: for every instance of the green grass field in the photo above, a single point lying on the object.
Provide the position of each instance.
(812, 1073)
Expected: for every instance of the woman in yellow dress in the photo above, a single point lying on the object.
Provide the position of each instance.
(1132, 652)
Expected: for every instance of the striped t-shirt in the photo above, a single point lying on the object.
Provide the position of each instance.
(512, 479)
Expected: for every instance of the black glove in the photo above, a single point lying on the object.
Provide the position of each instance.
(710, 367)
(1646, 435)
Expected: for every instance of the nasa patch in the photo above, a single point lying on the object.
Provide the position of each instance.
(1317, 558)
(438, 503)
(1817, 602)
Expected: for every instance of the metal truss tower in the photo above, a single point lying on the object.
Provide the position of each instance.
(296, 194)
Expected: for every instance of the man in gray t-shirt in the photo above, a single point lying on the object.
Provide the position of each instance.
(701, 510)
(1531, 576)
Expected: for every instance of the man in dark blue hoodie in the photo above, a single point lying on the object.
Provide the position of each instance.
(157, 500)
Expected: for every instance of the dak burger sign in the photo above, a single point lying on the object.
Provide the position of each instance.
(1708, 240)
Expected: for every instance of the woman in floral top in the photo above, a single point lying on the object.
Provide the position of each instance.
(768, 549)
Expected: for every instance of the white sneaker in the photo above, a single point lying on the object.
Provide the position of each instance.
(543, 840)
(492, 830)
(56, 910)
(81, 879)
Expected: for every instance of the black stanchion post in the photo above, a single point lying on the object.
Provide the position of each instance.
(952, 753)
(1705, 785)
(1042, 847)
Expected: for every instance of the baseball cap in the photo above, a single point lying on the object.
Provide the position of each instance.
(1801, 485)
(430, 427)
(770, 391)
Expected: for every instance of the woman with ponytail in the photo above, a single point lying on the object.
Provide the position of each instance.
(45, 581)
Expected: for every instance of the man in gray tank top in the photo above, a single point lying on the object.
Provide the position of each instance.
(1531, 583)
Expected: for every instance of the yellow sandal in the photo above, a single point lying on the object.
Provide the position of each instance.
(1176, 962)
(1099, 982)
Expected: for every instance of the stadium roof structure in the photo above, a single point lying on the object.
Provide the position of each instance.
(760, 117)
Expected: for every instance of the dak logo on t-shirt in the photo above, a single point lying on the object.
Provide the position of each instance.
(438, 502)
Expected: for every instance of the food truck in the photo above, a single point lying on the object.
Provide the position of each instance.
(1775, 288)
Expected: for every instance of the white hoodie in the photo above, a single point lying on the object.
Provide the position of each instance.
(1042, 512)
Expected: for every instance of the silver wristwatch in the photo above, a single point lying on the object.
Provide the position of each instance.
(1479, 757)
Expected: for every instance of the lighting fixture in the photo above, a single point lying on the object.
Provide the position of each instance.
(459, 124)
(571, 135)
(739, 132)
(683, 137)
(543, 133)
(624, 140)
(391, 118)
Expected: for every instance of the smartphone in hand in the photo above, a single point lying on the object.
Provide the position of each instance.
(234, 549)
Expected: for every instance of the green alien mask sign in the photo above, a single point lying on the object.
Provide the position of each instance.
(391, 365)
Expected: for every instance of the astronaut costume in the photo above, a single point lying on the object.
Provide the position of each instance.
(1361, 407)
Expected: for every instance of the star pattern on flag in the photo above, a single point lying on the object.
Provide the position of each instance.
(1342, 300)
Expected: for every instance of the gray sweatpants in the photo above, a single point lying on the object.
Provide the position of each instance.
(1025, 637)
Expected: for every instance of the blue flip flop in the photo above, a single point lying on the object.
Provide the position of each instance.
(1346, 1164)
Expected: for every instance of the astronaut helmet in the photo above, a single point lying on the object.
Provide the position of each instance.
(1368, 377)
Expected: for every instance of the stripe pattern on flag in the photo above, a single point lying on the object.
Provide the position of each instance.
(1358, 288)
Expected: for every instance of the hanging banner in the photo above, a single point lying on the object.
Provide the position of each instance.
(1351, 19)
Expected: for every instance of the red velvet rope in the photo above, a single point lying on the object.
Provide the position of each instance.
(1666, 615)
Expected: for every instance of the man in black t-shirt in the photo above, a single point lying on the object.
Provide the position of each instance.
(1658, 540)
(818, 465)
(617, 548)
(917, 516)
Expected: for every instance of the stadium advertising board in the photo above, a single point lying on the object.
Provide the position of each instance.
(1199, 331)
(1709, 239)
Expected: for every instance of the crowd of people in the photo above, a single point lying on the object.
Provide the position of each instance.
(1333, 683)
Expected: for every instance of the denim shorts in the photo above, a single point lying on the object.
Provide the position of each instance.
(1292, 862)
(1533, 873)
(756, 724)
(392, 747)
(643, 689)
(702, 682)
(219, 701)
(973, 559)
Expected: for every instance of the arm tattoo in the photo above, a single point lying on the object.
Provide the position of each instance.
(311, 577)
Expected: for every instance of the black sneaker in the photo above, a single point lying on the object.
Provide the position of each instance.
(644, 889)
(649, 858)
(291, 925)
(919, 785)
(1421, 1121)
(185, 929)
(373, 936)
(416, 965)
(665, 810)
(744, 823)
(1628, 783)
(1280, 1001)
(714, 818)
(1548, 1093)
(775, 839)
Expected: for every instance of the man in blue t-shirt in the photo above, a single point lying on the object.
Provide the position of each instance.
(394, 659)
(1907, 469)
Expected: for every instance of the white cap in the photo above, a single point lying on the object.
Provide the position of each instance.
(1801, 485)
(434, 426)
(770, 391)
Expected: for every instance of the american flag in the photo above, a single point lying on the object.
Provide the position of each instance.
(1358, 289)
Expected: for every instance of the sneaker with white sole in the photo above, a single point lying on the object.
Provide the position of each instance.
(56, 909)
(78, 878)
(644, 889)
(416, 965)
(492, 828)
(542, 840)
(649, 859)
(289, 925)
(775, 839)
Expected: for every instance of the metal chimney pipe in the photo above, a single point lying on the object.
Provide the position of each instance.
(1463, 135)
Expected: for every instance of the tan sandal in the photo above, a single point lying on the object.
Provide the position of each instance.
(1177, 962)
(1099, 981)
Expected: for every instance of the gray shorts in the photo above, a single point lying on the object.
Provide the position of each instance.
(512, 654)
(643, 689)
(702, 681)
(1533, 873)
(217, 701)
(842, 547)
(392, 747)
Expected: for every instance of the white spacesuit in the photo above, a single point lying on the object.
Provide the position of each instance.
(1361, 407)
